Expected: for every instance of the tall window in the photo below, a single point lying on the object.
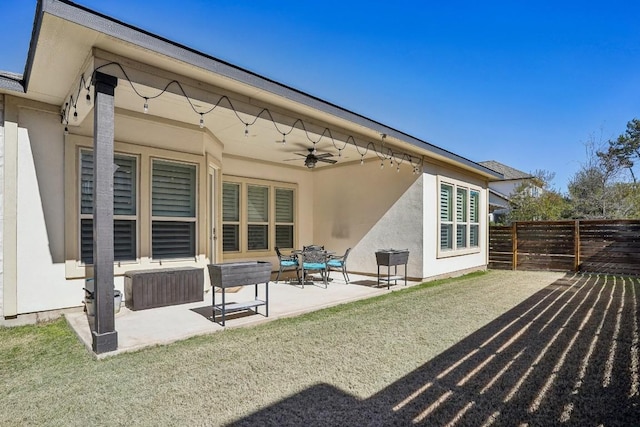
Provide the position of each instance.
(446, 216)
(460, 214)
(257, 215)
(461, 218)
(173, 210)
(230, 217)
(124, 207)
(284, 218)
(474, 219)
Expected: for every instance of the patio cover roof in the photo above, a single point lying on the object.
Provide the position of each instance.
(68, 39)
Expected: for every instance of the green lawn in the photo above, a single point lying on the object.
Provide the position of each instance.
(358, 349)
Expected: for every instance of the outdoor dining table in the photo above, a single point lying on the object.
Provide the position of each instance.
(327, 254)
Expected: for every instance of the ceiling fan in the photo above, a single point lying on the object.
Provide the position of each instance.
(311, 158)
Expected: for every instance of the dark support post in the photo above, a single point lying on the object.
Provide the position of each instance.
(576, 249)
(105, 337)
(514, 245)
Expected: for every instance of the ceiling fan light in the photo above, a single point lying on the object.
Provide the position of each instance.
(310, 163)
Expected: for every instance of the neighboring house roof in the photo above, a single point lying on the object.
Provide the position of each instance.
(127, 40)
(508, 172)
(11, 81)
(497, 200)
(500, 195)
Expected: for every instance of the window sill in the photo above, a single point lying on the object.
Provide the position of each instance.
(77, 270)
(458, 252)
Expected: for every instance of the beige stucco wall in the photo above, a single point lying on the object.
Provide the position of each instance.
(1, 204)
(346, 205)
(305, 203)
(48, 273)
(40, 226)
(435, 263)
(369, 208)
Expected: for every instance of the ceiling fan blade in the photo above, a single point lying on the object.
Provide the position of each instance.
(324, 155)
(320, 159)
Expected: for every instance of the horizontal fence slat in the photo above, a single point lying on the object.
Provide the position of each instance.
(606, 246)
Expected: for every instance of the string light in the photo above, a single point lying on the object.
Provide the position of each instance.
(86, 85)
(66, 131)
(75, 116)
(398, 169)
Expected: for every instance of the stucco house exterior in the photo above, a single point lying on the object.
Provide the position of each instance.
(210, 163)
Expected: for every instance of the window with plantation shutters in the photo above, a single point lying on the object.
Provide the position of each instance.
(124, 207)
(284, 218)
(257, 215)
(474, 219)
(230, 217)
(459, 218)
(446, 217)
(173, 210)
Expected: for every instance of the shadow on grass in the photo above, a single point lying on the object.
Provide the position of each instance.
(568, 355)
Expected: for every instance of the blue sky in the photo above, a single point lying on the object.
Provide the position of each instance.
(524, 83)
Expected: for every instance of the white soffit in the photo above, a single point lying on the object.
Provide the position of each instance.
(68, 34)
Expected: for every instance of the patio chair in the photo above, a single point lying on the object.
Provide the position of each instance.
(313, 248)
(287, 262)
(313, 260)
(339, 263)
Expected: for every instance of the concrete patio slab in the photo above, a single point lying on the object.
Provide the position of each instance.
(164, 325)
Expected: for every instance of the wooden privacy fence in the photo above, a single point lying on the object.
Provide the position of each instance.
(604, 246)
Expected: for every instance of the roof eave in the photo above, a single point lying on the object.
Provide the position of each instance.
(83, 16)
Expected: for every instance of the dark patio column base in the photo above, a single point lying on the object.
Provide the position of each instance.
(105, 342)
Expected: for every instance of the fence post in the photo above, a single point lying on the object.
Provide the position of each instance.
(576, 249)
(514, 243)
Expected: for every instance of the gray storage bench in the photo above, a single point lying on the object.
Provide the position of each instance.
(162, 287)
(228, 275)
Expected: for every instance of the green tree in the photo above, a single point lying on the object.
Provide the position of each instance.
(601, 188)
(626, 148)
(588, 193)
(536, 200)
(626, 201)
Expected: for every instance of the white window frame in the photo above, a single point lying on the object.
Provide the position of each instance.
(244, 222)
(193, 219)
(277, 223)
(238, 222)
(260, 224)
(455, 221)
(85, 216)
